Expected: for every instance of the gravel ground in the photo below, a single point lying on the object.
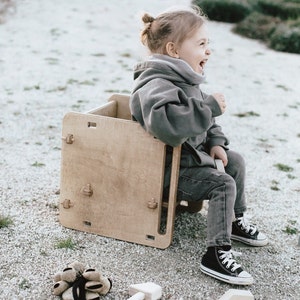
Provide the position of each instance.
(57, 56)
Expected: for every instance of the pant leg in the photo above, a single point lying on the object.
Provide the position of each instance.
(199, 183)
(237, 170)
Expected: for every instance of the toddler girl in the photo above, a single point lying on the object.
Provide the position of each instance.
(169, 104)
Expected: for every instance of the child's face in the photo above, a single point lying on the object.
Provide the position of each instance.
(195, 50)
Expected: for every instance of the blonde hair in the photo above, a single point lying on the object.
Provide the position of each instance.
(172, 26)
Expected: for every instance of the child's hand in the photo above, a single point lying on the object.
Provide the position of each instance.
(219, 152)
(221, 101)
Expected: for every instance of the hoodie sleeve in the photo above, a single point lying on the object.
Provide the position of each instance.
(215, 136)
(166, 112)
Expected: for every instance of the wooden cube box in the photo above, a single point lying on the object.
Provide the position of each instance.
(112, 175)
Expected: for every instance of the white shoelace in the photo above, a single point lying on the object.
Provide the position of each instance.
(228, 259)
(249, 228)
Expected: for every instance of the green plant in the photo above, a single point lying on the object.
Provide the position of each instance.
(291, 227)
(38, 164)
(280, 86)
(283, 167)
(225, 10)
(286, 39)
(283, 9)
(274, 185)
(5, 221)
(67, 244)
(247, 114)
(24, 284)
(257, 26)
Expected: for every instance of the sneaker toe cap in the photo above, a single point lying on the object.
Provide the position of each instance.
(245, 275)
(262, 237)
(245, 278)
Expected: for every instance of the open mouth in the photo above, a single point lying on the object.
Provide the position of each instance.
(202, 63)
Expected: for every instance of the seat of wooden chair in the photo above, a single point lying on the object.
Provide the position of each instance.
(112, 175)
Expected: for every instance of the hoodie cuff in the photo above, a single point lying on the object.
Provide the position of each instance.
(212, 103)
(218, 142)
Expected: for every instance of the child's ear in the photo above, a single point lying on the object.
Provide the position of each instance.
(171, 50)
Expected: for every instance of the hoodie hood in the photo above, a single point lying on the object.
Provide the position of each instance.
(166, 67)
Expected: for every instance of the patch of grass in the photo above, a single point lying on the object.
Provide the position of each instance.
(80, 101)
(38, 164)
(71, 81)
(257, 26)
(55, 31)
(290, 176)
(52, 60)
(5, 221)
(283, 167)
(284, 115)
(274, 185)
(65, 244)
(24, 284)
(29, 88)
(291, 227)
(275, 188)
(87, 82)
(286, 38)
(280, 86)
(263, 140)
(293, 106)
(125, 54)
(79, 104)
(57, 89)
(247, 114)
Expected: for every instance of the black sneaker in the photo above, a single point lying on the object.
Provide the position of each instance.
(247, 233)
(221, 265)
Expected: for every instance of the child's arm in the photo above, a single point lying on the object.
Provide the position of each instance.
(166, 112)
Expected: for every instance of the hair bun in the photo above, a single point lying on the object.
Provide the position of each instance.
(146, 18)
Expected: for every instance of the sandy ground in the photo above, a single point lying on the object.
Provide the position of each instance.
(58, 56)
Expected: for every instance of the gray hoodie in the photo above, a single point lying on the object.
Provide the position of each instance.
(167, 101)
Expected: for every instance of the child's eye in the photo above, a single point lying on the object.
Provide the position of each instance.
(204, 43)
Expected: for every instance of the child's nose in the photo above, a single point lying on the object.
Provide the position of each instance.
(208, 51)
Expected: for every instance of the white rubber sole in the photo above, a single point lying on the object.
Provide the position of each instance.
(256, 243)
(244, 279)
